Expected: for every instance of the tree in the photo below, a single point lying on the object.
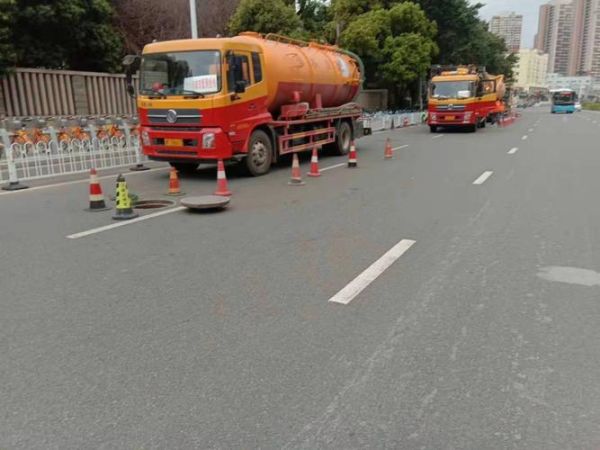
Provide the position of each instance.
(265, 16)
(396, 44)
(458, 23)
(7, 49)
(142, 21)
(66, 34)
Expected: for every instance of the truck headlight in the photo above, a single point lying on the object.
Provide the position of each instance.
(145, 138)
(208, 140)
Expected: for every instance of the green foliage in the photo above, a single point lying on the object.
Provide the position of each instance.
(69, 34)
(396, 44)
(591, 106)
(458, 24)
(7, 49)
(265, 16)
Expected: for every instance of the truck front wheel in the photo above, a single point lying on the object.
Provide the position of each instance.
(433, 128)
(260, 154)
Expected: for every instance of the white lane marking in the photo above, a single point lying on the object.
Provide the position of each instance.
(524, 138)
(437, 136)
(333, 167)
(531, 130)
(484, 176)
(400, 148)
(513, 150)
(371, 273)
(67, 183)
(125, 222)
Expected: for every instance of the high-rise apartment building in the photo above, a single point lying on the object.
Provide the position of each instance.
(555, 28)
(569, 31)
(508, 26)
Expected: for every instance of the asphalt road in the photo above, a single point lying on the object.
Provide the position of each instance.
(215, 331)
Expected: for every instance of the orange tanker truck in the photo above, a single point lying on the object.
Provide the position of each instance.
(249, 97)
(464, 96)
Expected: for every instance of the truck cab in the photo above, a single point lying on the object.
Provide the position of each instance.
(198, 100)
(462, 97)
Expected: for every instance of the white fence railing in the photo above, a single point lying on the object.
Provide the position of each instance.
(387, 121)
(58, 155)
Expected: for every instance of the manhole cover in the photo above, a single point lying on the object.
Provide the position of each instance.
(152, 204)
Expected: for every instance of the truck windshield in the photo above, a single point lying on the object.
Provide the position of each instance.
(181, 73)
(450, 89)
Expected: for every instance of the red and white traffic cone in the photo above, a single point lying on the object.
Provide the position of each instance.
(174, 188)
(222, 188)
(389, 151)
(296, 179)
(352, 161)
(314, 164)
(97, 202)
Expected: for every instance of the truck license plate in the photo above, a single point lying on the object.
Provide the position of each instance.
(174, 142)
(449, 117)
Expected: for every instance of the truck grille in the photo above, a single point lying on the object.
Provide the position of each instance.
(183, 116)
(450, 108)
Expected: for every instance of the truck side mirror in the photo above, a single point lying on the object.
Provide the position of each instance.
(132, 65)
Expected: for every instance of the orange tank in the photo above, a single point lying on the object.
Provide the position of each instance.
(307, 68)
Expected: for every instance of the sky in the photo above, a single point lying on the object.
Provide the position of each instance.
(528, 8)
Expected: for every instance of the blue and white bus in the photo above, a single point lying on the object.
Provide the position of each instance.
(563, 101)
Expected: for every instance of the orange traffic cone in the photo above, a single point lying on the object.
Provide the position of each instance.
(314, 164)
(389, 151)
(174, 183)
(352, 163)
(296, 179)
(222, 188)
(97, 202)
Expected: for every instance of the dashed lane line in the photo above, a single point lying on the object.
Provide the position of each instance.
(524, 138)
(371, 273)
(437, 136)
(513, 150)
(483, 177)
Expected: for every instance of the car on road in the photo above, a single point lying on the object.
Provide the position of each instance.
(577, 106)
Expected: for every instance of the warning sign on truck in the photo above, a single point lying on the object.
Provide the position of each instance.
(201, 84)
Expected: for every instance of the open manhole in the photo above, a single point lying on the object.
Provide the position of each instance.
(152, 204)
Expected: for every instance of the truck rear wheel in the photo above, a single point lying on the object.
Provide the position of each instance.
(186, 168)
(343, 139)
(260, 154)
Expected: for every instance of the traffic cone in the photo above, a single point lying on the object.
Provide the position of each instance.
(97, 202)
(389, 151)
(314, 164)
(124, 210)
(174, 183)
(352, 163)
(296, 179)
(222, 188)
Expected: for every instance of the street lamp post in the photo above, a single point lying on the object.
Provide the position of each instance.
(193, 20)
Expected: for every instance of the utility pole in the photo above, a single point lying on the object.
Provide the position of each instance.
(193, 20)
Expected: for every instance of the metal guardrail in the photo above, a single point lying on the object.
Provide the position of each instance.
(59, 156)
(389, 120)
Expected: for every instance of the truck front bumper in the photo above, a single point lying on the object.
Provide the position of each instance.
(163, 144)
(451, 118)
